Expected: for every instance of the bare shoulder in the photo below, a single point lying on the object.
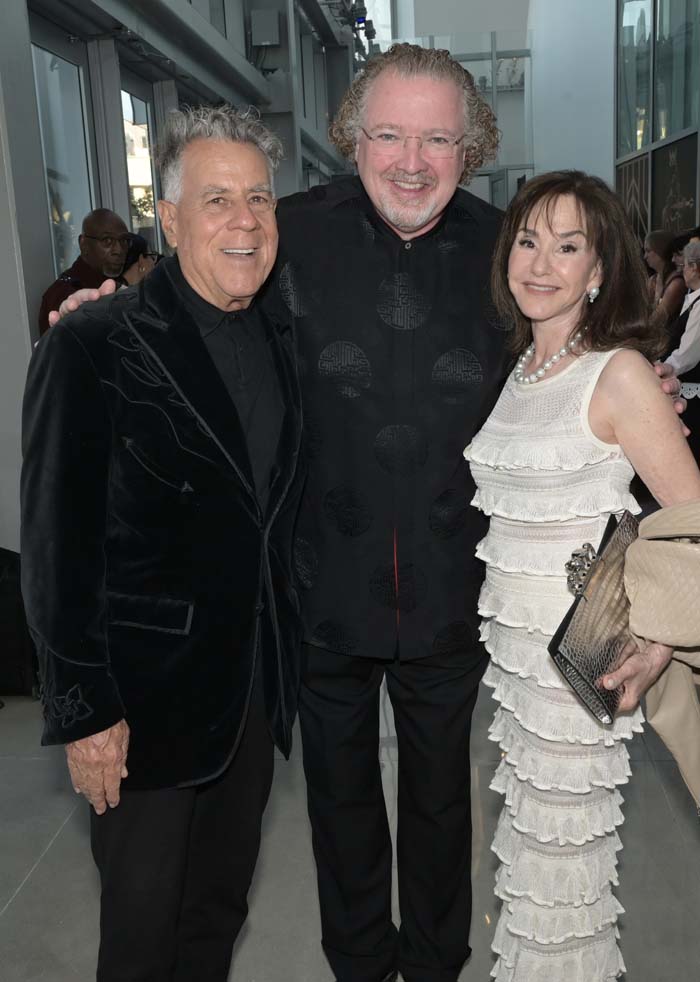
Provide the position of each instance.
(627, 371)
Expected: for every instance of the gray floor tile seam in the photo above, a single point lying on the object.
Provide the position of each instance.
(669, 803)
(38, 860)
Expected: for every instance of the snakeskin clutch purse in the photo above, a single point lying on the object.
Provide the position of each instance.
(590, 639)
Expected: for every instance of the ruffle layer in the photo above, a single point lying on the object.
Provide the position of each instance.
(590, 960)
(537, 604)
(553, 766)
(537, 559)
(572, 453)
(550, 816)
(521, 653)
(555, 925)
(553, 875)
(556, 714)
(589, 501)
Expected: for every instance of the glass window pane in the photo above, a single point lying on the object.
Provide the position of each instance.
(137, 140)
(379, 12)
(633, 75)
(63, 142)
(481, 69)
(632, 183)
(511, 80)
(674, 177)
(676, 67)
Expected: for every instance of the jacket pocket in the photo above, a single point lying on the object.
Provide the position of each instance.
(154, 468)
(166, 614)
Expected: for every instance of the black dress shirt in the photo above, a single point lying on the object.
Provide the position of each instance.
(238, 344)
(402, 358)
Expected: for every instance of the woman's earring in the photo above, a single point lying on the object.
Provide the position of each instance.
(593, 293)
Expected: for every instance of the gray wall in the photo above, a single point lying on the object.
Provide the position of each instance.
(573, 85)
(471, 16)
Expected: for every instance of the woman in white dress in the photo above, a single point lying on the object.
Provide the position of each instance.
(580, 413)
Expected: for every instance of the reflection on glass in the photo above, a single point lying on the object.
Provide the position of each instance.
(63, 142)
(633, 80)
(512, 77)
(482, 72)
(138, 160)
(676, 67)
(379, 12)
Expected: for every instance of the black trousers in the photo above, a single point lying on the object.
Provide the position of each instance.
(433, 700)
(176, 865)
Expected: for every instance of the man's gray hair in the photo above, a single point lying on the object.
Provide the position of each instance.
(207, 123)
(691, 253)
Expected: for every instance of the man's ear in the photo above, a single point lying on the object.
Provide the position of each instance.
(167, 212)
(81, 243)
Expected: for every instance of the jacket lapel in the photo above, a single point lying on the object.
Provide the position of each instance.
(165, 328)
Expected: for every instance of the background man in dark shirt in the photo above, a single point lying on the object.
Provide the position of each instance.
(159, 490)
(104, 243)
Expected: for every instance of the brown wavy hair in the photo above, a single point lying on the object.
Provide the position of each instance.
(410, 60)
(620, 317)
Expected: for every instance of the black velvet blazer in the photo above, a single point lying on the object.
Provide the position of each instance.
(149, 571)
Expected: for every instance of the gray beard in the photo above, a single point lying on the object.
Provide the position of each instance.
(407, 219)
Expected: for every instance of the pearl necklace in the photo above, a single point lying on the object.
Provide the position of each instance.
(519, 371)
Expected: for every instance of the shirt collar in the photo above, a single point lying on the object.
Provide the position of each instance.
(690, 298)
(206, 316)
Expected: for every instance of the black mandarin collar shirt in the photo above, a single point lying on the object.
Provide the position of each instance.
(238, 344)
(402, 357)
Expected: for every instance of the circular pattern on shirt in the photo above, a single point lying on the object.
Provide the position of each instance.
(400, 305)
(455, 373)
(448, 514)
(400, 449)
(412, 586)
(334, 636)
(348, 510)
(289, 289)
(448, 245)
(453, 639)
(305, 562)
(347, 367)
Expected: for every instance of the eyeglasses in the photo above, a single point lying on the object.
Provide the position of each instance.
(387, 143)
(107, 241)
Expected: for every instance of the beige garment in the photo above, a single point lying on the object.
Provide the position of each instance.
(673, 709)
(662, 579)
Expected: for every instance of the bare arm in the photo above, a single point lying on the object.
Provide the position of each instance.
(629, 408)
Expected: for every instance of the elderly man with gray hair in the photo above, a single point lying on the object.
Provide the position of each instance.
(160, 484)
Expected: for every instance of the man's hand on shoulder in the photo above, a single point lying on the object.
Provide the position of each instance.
(77, 299)
(97, 765)
(671, 385)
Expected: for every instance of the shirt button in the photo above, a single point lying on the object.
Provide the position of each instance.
(407, 245)
(259, 608)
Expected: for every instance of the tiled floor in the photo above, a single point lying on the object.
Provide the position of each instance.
(49, 891)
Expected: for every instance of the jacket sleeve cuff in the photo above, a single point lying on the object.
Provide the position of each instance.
(77, 700)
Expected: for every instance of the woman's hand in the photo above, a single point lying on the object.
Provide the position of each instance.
(640, 669)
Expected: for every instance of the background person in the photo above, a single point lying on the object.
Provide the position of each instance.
(684, 360)
(555, 459)
(665, 286)
(104, 242)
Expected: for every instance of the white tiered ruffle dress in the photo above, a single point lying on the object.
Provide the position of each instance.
(549, 485)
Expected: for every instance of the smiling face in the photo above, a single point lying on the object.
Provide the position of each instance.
(551, 266)
(409, 190)
(223, 225)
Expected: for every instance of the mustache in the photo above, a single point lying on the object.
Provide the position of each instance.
(422, 177)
